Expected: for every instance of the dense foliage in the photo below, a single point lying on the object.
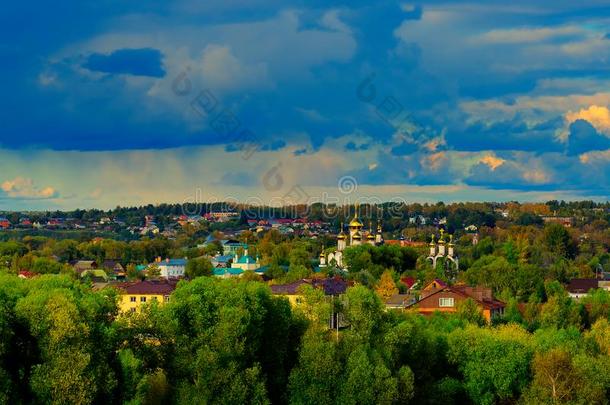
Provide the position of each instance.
(233, 342)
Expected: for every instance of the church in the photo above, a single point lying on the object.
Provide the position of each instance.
(357, 236)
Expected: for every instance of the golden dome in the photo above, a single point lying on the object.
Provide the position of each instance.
(355, 223)
(357, 235)
(370, 236)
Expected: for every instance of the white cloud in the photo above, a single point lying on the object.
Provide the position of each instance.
(492, 161)
(22, 187)
(530, 35)
(597, 116)
(220, 66)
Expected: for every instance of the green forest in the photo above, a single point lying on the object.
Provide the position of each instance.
(229, 341)
(233, 341)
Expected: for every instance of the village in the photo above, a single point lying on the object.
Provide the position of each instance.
(238, 252)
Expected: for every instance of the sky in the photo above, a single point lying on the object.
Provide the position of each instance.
(126, 103)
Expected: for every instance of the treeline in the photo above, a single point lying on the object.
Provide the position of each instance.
(225, 342)
(394, 213)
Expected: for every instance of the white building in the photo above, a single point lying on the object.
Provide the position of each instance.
(171, 268)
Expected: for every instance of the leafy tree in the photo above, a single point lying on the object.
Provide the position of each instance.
(132, 272)
(296, 272)
(555, 380)
(315, 378)
(198, 267)
(527, 218)
(73, 336)
(300, 258)
(469, 311)
(598, 304)
(363, 310)
(153, 272)
(43, 265)
(560, 311)
(406, 385)
(386, 286)
(558, 240)
(225, 331)
(367, 380)
(494, 363)
(357, 259)
(250, 275)
(600, 334)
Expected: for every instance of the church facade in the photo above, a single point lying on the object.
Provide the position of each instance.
(356, 236)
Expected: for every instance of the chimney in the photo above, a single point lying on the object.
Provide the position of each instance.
(475, 292)
(478, 294)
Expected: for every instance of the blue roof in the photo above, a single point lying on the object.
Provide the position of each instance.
(222, 259)
(246, 259)
(173, 262)
(232, 242)
(231, 271)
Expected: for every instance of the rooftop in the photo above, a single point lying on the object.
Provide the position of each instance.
(331, 286)
(160, 287)
(582, 285)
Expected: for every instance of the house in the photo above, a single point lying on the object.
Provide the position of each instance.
(221, 216)
(400, 301)
(82, 265)
(154, 229)
(402, 242)
(409, 282)
(221, 260)
(171, 268)
(580, 287)
(134, 295)
(95, 275)
(437, 296)
(331, 286)
(565, 221)
(434, 285)
(115, 267)
(4, 223)
(232, 246)
(24, 274)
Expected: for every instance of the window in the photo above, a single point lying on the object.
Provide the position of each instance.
(142, 299)
(154, 298)
(445, 302)
(132, 309)
(166, 298)
(132, 299)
